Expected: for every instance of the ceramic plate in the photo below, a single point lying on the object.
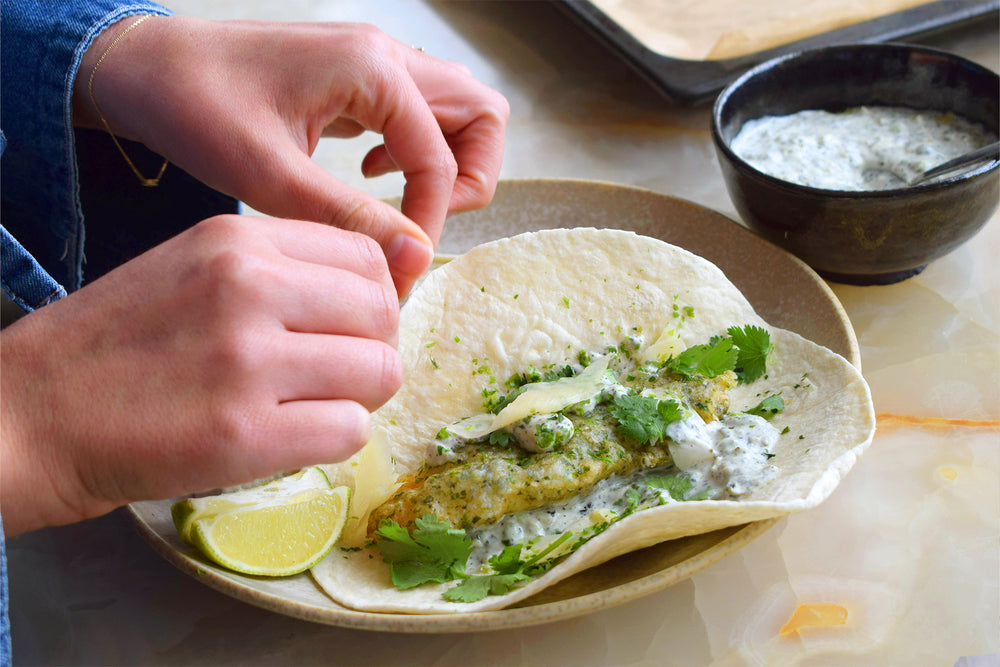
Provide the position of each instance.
(784, 291)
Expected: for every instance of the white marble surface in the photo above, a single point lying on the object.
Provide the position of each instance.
(908, 543)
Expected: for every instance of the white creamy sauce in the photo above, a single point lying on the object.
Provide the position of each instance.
(864, 148)
(732, 455)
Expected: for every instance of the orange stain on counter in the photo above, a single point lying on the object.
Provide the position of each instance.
(815, 615)
(888, 420)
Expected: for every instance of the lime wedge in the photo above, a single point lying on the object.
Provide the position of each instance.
(276, 538)
(186, 512)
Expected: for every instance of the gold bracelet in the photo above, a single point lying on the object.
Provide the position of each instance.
(146, 182)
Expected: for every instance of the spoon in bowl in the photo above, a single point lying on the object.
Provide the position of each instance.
(984, 154)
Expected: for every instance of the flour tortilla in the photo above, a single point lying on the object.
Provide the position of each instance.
(538, 298)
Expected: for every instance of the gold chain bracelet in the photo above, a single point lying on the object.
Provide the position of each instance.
(146, 182)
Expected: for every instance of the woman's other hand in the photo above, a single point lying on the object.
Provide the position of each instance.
(239, 348)
(242, 105)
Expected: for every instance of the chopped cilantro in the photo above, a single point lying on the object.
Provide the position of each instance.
(644, 418)
(555, 374)
(498, 403)
(769, 407)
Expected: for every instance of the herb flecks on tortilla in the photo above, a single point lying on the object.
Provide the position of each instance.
(591, 443)
(618, 283)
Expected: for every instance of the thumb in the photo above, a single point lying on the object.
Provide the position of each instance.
(296, 187)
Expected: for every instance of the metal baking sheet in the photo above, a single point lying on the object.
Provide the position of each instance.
(691, 82)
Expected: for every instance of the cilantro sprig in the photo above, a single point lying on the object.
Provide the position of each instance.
(744, 351)
(434, 552)
(709, 359)
(510, 570)
(644, 418)
(754, 344)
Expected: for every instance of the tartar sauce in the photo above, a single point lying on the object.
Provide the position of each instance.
(863, 148)
(735, 457)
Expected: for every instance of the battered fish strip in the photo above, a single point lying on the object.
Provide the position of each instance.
(488, 481)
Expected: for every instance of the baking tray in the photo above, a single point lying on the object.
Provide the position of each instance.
(691, 82)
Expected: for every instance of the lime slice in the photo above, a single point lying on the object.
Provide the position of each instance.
(276, 538)
(186, 512)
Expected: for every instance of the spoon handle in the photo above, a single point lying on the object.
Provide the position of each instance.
(989, 152)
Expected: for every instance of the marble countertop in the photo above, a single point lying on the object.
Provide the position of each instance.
(909, 543)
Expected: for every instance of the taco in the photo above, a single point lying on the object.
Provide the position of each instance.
(573, 395)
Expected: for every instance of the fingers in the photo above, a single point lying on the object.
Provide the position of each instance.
(306, 277)
(343, 128)
(306, 367)
(415, 144)
(313, 347)
(359, 301)
(473, 119)
(298, 187)
(322, 432)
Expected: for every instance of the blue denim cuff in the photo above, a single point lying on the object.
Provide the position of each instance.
(40, 52)
(5, 648)
(24, 281)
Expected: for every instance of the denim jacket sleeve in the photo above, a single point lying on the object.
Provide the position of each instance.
(41, 241)
(40, 51)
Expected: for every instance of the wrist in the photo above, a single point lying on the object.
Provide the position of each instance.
(109, 70)
(31, 493)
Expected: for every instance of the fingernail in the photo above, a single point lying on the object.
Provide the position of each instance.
(408, 255)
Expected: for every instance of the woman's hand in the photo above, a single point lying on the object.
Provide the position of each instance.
(241, 106)
(240, 348)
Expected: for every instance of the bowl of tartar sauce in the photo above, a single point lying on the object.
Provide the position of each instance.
(818, 150)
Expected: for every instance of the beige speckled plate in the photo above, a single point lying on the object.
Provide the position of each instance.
(784, 291)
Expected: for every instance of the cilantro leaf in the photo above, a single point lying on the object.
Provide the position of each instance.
(709, 360)
(769, 407)
(502, 438)
(510, 571)
(644, 418)
(508, 561)
(633, 497)
(754, 345)
(678, 486)
(478, 586)
(433, 552)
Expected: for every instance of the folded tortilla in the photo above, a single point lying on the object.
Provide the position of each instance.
(537, 298)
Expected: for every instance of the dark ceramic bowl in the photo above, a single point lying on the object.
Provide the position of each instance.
(869, 237)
